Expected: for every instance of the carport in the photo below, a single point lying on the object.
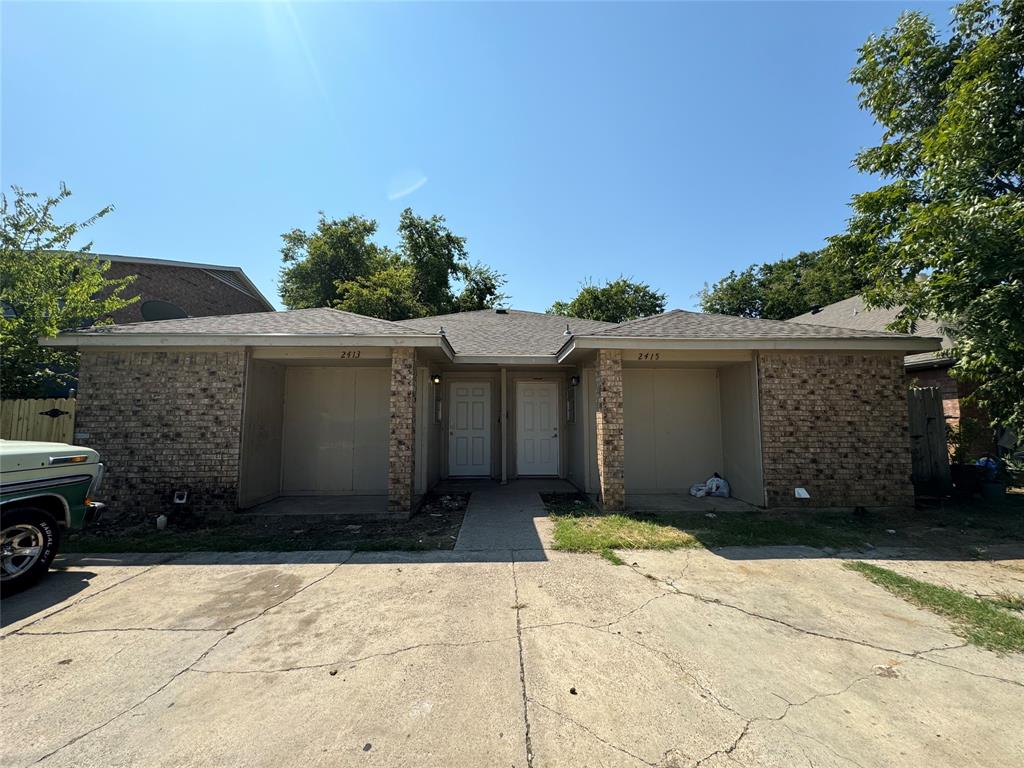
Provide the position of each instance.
(687, 416)
(316, 425)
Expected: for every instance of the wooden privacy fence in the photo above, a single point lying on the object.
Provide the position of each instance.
(49, 420)
(928, 452)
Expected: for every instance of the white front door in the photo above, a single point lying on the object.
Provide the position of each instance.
(469, 429)
(537, 428)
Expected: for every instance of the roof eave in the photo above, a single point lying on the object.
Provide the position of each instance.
(880, 343)
(242, 340)
(939, 361)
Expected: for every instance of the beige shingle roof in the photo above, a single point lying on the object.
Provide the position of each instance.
(512, 332)
(487, 333)
(300, 322)
(681, 324)
(853, 313)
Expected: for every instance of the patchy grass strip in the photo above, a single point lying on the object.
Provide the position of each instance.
(1008, 600)
(977, 621)
(601, 533)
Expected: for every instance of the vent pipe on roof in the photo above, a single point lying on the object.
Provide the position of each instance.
(441, 331)
(567, 332)
(815, 309)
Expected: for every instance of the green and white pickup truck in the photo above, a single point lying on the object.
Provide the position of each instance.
(44, 487)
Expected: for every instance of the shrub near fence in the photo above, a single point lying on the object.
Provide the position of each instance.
(49, 420)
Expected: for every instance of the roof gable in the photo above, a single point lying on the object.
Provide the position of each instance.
(512, 332)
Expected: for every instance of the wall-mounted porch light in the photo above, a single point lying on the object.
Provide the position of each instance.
(436, 378)
(574, 381)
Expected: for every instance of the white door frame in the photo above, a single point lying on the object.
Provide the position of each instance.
(483, 467)
(553, 469)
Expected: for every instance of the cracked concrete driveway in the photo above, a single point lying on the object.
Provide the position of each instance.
(774, 657)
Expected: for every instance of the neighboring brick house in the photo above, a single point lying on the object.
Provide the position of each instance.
(195, 290)
(240, 409)
(923, 369)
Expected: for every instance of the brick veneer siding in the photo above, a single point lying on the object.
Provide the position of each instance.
(401, 435)
(835, 424)
(164, 421)
(610, 435)
(197, 292)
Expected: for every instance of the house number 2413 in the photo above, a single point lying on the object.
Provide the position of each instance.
(648, 356)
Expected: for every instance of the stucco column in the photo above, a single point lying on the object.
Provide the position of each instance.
(611, 451)
(401, 434)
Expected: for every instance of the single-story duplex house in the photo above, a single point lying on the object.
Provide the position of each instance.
(237, 410)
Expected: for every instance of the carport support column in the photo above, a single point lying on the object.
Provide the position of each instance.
(611, 451)
(401, 435)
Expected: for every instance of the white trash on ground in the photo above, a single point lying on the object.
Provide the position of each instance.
(716, 485)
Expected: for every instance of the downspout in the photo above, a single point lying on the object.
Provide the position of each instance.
(504, 427)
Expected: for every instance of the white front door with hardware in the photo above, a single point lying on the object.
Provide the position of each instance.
(469, 429)
(537, 428)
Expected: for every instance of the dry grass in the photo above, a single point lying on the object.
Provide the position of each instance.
(601, 533)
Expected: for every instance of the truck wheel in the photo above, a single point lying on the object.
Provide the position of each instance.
(29, 538)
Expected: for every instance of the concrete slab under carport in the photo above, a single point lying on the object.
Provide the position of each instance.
(663, 503)
(357, 507)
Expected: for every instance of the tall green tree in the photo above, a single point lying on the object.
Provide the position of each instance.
(782, 289)
(339, 265)
(436, 255)
(389, 294)
(481, 288)
(943, 236)
(47, 286)
(314, 262)
(614, 302)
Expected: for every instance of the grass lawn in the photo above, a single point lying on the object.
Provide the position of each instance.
(980, 622)
(435, 526)
(964, 527)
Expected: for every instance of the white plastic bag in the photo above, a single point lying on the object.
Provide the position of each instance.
(717, 486)
(698, 490)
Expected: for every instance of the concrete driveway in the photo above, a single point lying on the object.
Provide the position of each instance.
(775, 657)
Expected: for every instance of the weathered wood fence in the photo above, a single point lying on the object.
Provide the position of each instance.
(928, 451)
(48, 420)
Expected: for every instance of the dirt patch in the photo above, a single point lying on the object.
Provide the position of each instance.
(435, 526)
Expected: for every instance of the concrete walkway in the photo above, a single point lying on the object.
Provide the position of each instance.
(504, 517)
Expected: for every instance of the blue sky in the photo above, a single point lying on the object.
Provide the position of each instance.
(666, 142)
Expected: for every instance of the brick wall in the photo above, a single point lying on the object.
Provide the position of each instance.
(401, 435)
(835, 424)
(197, 292)
(610, 434)
(164, 421)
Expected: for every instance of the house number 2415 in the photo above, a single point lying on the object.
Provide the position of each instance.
(648, 356)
